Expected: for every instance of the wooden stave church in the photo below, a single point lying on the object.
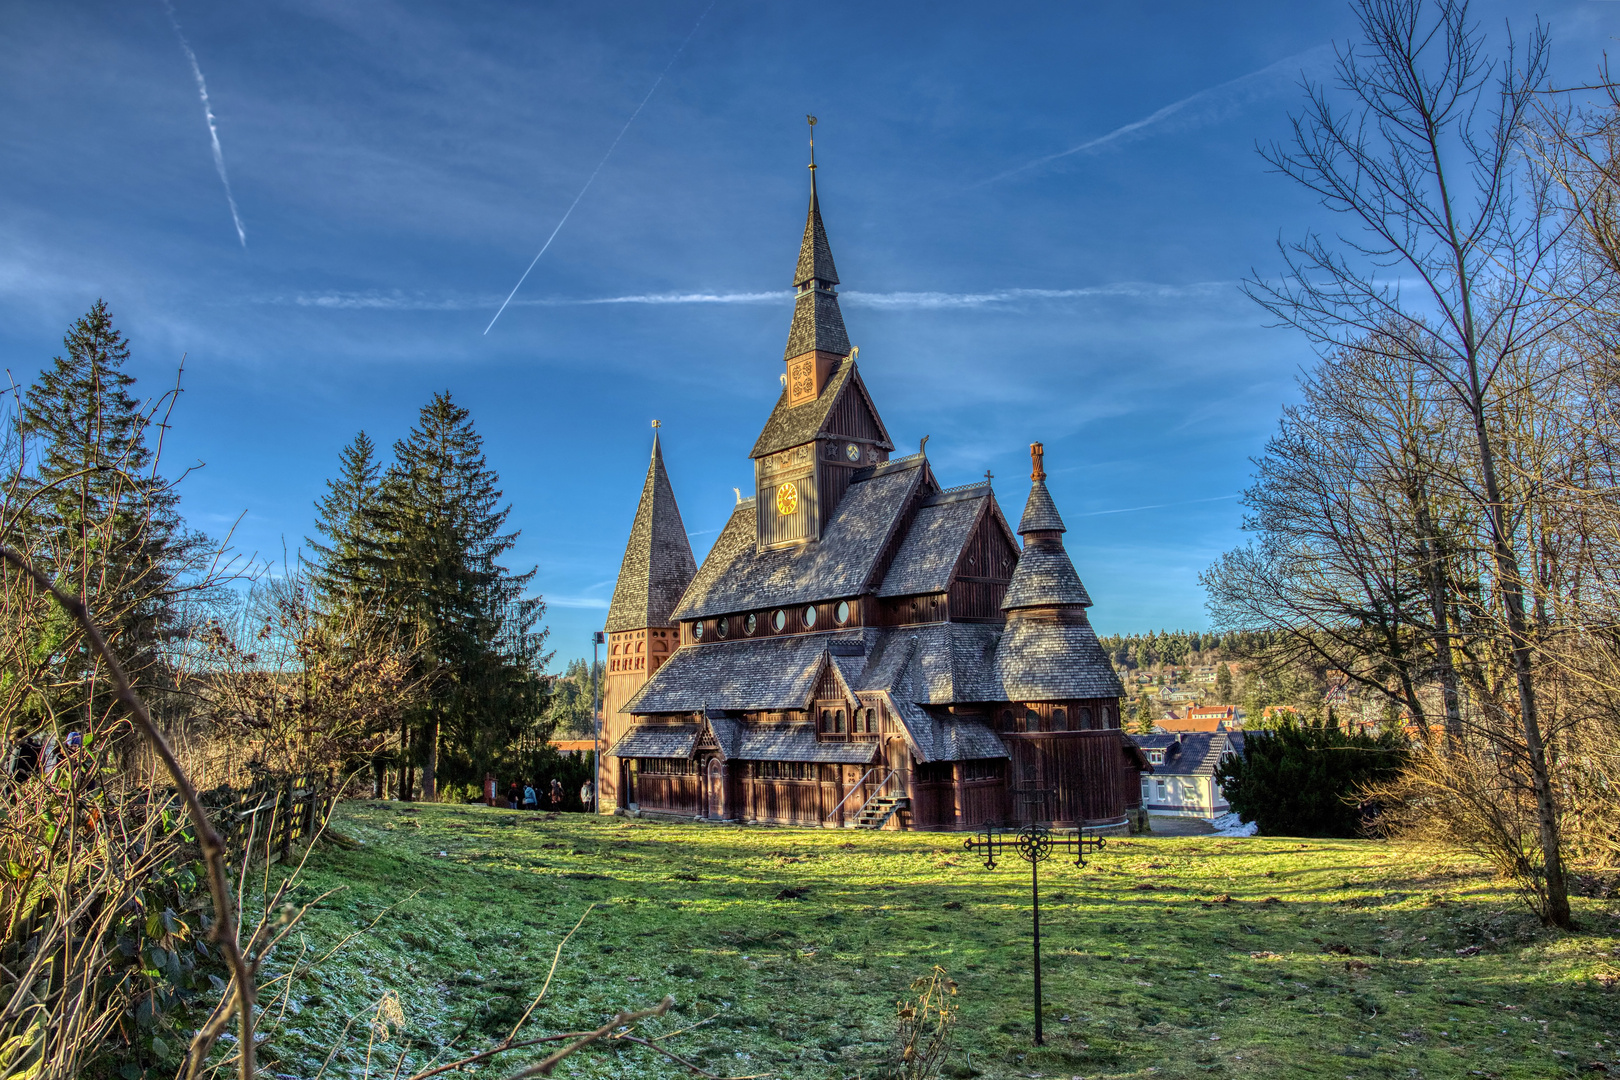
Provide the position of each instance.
(861, 645)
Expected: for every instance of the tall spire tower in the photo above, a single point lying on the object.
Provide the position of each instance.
(657, 568)
(817, 340)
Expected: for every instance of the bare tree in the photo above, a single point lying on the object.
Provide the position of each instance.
(1426, 159)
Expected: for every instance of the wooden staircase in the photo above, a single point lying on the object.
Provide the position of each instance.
(878, 810)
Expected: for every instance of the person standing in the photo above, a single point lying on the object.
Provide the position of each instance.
(556, 795)
(585, 794)
(513, 795)
(529, 802)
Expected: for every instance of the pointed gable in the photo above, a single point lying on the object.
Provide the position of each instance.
(658, 563)
(844, 408)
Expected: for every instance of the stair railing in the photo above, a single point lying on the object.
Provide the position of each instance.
(856, 786)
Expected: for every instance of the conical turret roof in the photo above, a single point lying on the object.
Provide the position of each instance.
(818, 324)
(1045, 576)
(1040, 512)
(658, 563)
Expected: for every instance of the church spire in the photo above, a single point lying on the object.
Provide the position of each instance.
(818, 324)
(658, 563)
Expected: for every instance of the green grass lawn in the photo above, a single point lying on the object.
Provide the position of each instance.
(1164, 957)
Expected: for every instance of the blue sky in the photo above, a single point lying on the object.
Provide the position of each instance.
(1040, 214)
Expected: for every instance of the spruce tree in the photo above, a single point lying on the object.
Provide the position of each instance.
(435, 555)
(100, 520)
(348, 516)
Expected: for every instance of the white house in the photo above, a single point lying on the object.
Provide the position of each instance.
(1182, 783)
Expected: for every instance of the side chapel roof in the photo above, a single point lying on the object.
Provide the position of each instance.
(658, 563)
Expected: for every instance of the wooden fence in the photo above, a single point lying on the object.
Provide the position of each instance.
(272, 814)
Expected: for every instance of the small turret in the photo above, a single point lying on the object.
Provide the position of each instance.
(1049, 651)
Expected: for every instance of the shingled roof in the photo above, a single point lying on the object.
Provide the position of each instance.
(737, 576)
(742, 675)
(799, 424)
(1044, 577)
(815, 256)
(1046, 660)
(941, 529)
(818, 324)
(658, 563)
(1040, 512)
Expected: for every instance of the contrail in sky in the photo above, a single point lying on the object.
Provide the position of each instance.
(1291, 65)
(603, 162)
(1156, 506)
(208, 115)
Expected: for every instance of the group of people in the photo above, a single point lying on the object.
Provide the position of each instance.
(524, 795)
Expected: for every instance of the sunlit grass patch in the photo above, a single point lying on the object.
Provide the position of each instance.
(1191, 957)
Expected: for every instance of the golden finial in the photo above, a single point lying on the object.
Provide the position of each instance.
(854, 351)
(657, 424)
(812, 120)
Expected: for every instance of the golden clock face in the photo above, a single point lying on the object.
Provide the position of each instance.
(787, 499)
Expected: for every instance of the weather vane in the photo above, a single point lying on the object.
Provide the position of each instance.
(812, 120)
(658, 423)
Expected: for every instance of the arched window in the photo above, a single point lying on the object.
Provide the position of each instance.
(1006, 719)
(871, 721)
(1060, 719)
(1032, 720)
(1082, 719)
(838, 722)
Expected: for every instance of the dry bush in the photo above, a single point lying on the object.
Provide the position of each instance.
(308, 689)
(924, 1026)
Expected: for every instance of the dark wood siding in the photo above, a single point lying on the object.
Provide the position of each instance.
(851, 418)
(673, 793)
(904, 610)
(1080, 770)
(977, 600)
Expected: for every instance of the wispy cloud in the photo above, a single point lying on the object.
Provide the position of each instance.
(208, 116)
(402, 301)
(1204, 106)
(576, 602)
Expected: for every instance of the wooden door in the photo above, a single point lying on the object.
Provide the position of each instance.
(714, 792)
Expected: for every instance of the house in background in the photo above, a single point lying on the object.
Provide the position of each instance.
(1204, 718)
(1182, 783)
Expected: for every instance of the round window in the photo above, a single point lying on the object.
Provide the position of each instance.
(841, 612)
(778, 620)
(809, 616)
(750, 624)
(722, 626)
(697, 630)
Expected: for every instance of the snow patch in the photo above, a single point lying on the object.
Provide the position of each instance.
(1232, 825)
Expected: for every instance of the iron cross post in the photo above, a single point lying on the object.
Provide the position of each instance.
(1033, 844)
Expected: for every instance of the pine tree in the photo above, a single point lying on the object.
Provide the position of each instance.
(435, 554)
(100, 520)
(1223, 684)
(348, 516)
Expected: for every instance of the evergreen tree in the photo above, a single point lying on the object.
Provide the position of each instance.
(1306, 779)
(99, 518)
(1223, 684)
(435, 554)
(348, 516)
(1146, 714)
